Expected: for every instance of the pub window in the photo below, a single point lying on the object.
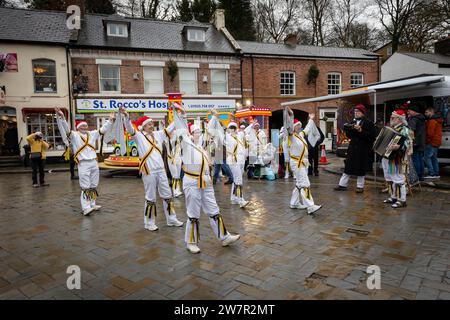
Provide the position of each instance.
(44, 74)
(45, 123)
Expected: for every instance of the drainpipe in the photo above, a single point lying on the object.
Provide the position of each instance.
(69, 83)
(253, 82)
(242, 85)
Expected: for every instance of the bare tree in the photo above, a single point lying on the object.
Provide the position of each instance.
(274, 18)
(428, 26)
(395, 16)
(345, 15)
(156, 9)
(318, 13)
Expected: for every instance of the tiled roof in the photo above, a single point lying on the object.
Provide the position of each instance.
(277, 49)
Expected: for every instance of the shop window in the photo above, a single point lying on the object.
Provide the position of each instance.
(46, 123)
(356, 80)
(287, 83)
(188, 80)
(219, 81)
(44, 74)
(109, 78)
(334, 83)
(153, 80)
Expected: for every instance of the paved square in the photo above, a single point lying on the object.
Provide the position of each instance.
(283, 253)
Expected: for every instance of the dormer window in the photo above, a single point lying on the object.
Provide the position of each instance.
(117, 29)
(197, 35)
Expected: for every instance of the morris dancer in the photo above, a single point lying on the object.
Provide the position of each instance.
(151, 165)
(198, 189)
(85, 156)
(395, 169)
(257, 143)
(235, 158)
(174, 161)
(298, 153)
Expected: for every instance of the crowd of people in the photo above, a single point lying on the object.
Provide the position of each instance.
(186, 159)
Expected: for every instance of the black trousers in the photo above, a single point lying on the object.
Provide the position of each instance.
(313, 158)
(72, 166)
(38, 164)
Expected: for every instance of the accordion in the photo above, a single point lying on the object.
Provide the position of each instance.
(385, 140)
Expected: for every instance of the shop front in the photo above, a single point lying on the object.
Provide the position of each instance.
(91, 110)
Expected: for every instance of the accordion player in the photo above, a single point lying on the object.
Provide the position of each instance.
(385, 140)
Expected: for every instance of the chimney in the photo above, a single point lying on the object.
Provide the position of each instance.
(443, 46)
(291, 39)
(218, 19)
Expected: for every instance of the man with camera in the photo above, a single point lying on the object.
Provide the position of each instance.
(37, 157)
(361, 132)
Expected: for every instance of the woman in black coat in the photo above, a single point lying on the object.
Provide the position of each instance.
(361, 132)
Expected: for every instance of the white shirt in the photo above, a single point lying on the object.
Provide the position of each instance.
(144, 143)
(77, 139)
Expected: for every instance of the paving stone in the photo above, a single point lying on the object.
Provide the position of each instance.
(279, 254)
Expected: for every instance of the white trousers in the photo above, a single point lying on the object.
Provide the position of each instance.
(157, 180)
(175, 171)
(359, 181)
(197, 200)
(302, 192)
(237, 171)
(88, 174)
(396, 182)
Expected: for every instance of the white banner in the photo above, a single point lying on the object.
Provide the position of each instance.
(151, 105)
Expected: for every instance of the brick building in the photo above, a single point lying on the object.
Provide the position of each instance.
(276, 73)
(136, 62)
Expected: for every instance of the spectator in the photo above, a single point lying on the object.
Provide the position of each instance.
(361, 132)
(416, 121)
(313, 155)
(433, 142)
(37, 156)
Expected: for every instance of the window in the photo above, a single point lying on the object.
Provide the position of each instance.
(356, 80)
(219, 81)
(188, 81)
(334, 83)
(109, 78)
(46, 123)
(153, 80)
(196, 35)
(287, 83)
(117, 30)
(389, 51)
(44, 73)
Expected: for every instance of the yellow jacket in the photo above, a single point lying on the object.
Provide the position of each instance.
(37, 146)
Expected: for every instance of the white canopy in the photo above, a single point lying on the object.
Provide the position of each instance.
(373, 88)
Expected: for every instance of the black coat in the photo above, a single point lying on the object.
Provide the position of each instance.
(359, 149)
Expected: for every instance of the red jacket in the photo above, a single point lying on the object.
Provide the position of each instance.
(434, 132)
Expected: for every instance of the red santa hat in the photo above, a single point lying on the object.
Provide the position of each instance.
(142, 121)
(79, 123)
(399, 113)
(361, 108)
(297, 122)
